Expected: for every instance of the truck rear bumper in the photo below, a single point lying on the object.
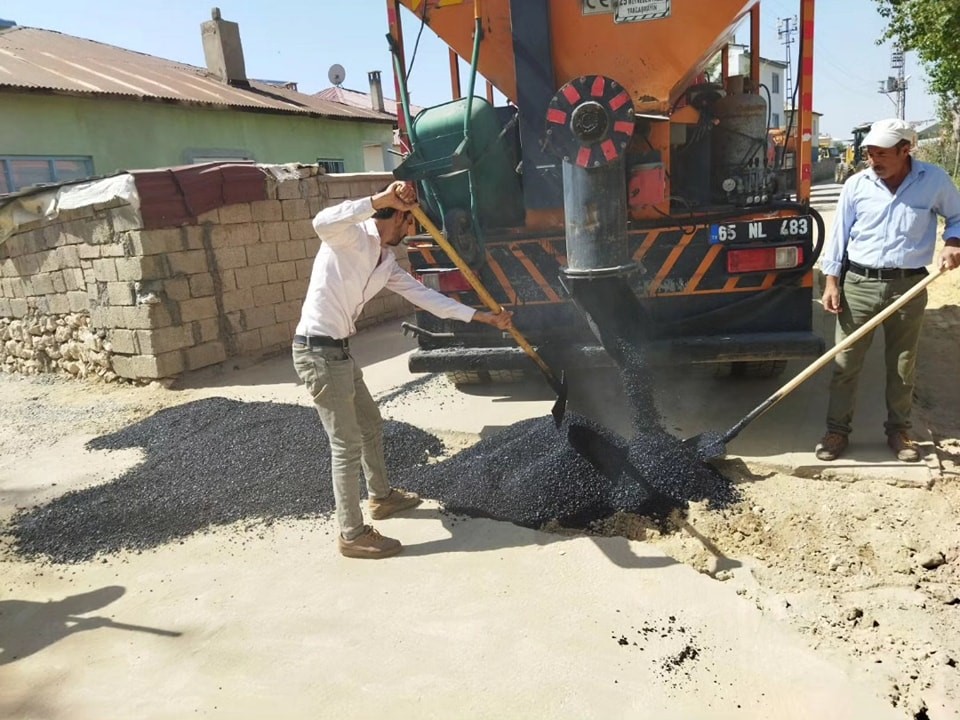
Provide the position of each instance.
(703, 349)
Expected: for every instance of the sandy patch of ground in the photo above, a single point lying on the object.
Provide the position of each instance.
(864, 569)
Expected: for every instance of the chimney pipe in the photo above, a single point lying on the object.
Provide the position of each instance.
(376, 90)
(223, 51)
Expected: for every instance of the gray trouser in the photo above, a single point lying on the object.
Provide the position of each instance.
(353, 424)
(862, 299)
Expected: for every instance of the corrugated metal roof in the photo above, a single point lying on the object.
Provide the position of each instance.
(358, 99)
(35, 59)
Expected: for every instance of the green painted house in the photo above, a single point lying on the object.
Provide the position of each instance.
(73, 108)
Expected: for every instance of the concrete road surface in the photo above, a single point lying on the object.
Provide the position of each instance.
(477, 620)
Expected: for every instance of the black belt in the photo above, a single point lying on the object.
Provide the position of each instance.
(885, 273)
(313, 341)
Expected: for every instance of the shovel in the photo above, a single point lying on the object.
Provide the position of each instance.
(711, 445)
(559, 385)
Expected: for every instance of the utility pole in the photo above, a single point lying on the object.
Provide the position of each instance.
(787, 29)
(897, 84)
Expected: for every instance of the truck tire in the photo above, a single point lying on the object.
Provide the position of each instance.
(484, 377)
(755, 369)
(722, 369)
(759, 369)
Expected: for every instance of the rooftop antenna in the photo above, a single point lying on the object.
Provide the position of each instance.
(336, 74)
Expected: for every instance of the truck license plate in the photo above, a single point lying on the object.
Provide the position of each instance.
(791, 228)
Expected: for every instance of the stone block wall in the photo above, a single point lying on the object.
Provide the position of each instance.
(96, 293)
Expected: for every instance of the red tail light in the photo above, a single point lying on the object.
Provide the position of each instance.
(763, 259)
(446, 281)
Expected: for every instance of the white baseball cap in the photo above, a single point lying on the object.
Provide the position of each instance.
(887, 133)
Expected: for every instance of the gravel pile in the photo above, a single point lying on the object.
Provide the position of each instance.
(210, 462)
(531, 473)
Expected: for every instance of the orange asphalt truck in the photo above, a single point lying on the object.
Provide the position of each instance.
(619, 186)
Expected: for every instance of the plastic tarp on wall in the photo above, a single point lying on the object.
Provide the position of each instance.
(46, 204)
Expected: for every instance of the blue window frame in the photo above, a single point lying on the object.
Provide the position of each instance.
(20, 171)
(331, 165)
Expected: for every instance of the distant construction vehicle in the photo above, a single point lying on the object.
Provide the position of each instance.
(854, 158)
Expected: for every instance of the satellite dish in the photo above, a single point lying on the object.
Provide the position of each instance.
(336, 74)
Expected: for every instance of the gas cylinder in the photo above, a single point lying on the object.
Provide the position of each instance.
(739, 145)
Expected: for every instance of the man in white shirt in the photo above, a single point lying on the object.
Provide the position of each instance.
(354, 263)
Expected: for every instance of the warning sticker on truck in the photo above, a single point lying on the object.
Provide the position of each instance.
(640, 10)
(597, 7)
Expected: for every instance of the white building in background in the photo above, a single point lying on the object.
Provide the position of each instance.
(773, 75)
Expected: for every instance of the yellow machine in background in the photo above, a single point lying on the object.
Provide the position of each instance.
(854, 156)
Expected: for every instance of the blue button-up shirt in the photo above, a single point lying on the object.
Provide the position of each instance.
(883, 229)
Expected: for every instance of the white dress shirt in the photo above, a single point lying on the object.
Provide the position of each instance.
(351, 268)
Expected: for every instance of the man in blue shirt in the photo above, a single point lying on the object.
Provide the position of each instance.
(884, 236)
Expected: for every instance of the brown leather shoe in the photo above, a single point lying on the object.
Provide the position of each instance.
(831, 446)
(903, 447)
(396, 501)
(369, 544)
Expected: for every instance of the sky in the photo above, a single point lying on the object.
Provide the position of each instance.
(298, 40)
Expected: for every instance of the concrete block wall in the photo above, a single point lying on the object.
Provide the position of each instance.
(50, 278)
(164, 301)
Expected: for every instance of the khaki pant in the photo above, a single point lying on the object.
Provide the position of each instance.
(863, 298)
(353, 424)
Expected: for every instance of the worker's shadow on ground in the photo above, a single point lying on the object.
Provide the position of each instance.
(485, 535)
(27, 627)
(467, 534)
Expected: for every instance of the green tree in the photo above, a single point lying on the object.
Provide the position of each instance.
(931, 28)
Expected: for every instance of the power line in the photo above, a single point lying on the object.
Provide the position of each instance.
(787, 34)
(897, 84)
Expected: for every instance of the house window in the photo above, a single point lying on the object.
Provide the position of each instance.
(775, 120)
(17, 172)
(331, 165)
(199, 156)
(775, 84)
(373, 158)
(200, 160)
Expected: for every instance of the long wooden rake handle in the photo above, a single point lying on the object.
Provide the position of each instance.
(821, 361)
(482, 292)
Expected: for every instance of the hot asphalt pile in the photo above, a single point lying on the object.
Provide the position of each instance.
(210, 462)
(531, 473)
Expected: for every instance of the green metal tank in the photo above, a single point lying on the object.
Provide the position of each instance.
(489, 161)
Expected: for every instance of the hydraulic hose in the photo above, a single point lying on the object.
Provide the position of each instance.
(474, 64)
(402, 84)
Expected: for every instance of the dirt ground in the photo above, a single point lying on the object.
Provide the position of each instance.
(866, 571)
